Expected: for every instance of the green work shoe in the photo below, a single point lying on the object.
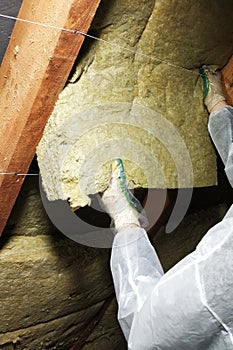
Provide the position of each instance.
(212, 87)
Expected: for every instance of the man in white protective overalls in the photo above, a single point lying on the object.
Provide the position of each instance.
(191, 305)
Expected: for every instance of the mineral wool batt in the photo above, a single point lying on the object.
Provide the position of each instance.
(137, 97)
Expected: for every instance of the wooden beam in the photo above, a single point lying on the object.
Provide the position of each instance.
(35, 69)
(227, 76)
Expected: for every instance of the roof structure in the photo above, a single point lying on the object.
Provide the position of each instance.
(34, 70)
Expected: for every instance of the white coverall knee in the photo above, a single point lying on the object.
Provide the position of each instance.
(191, 305)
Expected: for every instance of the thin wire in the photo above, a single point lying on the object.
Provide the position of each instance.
(37, 23)
(17, 174)
(75, 31)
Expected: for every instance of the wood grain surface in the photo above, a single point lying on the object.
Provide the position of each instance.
(227, 75)
(34, 70)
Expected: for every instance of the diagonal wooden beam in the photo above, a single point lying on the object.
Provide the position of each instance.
(227, 76)
(35, 69)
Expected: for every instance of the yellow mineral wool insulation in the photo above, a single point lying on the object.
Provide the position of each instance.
(79, 153)
(141, 109)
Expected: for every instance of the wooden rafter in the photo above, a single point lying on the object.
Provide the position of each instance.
(35, 69)
(227, 75)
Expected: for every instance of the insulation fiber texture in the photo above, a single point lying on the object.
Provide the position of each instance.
(137, 96)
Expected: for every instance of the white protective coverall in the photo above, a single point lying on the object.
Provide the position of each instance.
(191, 305)
(221, 131)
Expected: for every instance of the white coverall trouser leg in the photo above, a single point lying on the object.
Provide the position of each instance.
(190, 306)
